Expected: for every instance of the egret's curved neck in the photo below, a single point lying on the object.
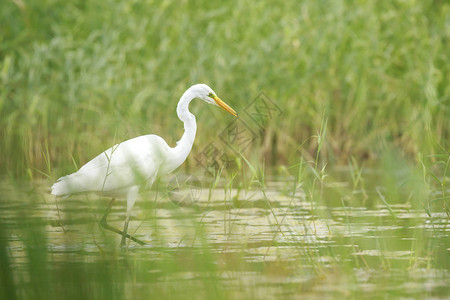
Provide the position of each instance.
(184, 145)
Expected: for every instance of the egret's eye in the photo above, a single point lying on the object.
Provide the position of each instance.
(211, 95)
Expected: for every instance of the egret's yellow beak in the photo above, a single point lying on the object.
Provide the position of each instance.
(224, 105)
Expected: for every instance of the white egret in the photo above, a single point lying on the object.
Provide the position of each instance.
(124, 168)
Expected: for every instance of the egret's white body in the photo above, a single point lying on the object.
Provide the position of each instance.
(121, 170)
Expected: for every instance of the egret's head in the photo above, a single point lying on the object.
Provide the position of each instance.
(206, 93)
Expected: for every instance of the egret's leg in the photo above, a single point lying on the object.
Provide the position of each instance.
(105, 225)
(125, 229)
(131, 199)
(105, 215)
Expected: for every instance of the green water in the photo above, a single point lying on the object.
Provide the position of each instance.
(271, 242)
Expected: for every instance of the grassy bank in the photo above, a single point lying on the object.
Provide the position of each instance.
(77, 77)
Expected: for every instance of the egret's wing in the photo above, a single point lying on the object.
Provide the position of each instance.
(123, 165)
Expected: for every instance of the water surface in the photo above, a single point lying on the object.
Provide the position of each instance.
(258, 242)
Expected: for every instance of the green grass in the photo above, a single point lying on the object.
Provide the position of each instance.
(75, 77)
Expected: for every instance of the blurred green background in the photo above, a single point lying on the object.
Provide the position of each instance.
(358, 204)
(77, 76)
